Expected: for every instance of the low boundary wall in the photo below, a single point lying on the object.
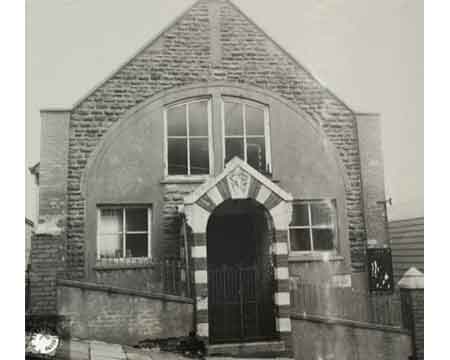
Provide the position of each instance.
(317, 337)
(123, 316)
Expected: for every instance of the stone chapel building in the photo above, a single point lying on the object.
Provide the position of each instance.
(214, 146)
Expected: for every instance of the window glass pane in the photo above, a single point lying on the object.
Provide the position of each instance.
(176, 121)
(199, 156)
(177, 156)
(322, 213)
(300, 239)
(198, 119)
(256, 153)
(323, 239)
(137, 245)
(136, 219)
(110, 246)
(254, 121)
(234, 147)
(233, 119)
(111, 221)
(300, 215)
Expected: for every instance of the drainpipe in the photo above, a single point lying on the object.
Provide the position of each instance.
(186, 255)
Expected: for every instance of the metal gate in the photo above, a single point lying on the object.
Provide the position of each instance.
(240, 304)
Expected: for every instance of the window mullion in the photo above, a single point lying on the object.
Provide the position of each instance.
(188, 141)
(99, 217)
(149, 235)
(310, 227)
(124, 230)
(267, 141)
(244, 124)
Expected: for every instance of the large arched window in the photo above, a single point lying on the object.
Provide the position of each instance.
(246, 132)
(188, 137)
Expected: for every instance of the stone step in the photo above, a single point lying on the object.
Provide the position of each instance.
(260, 349)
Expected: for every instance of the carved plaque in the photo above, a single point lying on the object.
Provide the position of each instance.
(239, 183)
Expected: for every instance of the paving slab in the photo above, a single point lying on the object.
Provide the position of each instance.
(163, 355)
(104, 351)
(73, 350)
(137, 354)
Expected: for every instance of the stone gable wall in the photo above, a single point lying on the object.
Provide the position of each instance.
(212, 41)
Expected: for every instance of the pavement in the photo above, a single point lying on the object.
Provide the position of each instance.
(97, 350)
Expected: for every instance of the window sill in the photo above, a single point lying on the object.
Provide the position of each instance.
(315, 257)
(123, 264)
(185, 179)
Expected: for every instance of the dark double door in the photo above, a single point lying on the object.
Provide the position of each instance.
(240, 276)
(240, 305)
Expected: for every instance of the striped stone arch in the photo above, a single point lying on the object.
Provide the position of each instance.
(240, 181)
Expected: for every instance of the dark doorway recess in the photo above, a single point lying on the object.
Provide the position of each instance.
(240, 273)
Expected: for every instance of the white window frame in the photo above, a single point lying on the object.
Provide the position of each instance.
(188, 137)
(245, 103)
(124, 232)
(333, 226)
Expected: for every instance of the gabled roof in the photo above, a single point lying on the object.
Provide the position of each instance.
(173, 24)
(230, 167)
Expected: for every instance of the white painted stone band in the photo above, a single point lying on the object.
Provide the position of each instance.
(281, 273)
(197, 218)
(281, 215)
(201, 277)
(283, 324)
(198, 252)
(215, 195)
(280, 248)
(203, 329)
(282, 298)
(202, 303)
(263, 194)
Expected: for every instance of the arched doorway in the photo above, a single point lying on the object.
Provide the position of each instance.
(240, 272)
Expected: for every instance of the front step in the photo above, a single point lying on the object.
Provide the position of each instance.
(261, 349)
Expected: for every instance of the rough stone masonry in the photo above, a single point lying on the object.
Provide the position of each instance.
(212, 41)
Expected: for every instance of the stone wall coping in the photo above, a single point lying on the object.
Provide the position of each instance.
(315, 257)
(349, 323)
(123, 266)
(118, 290)
(184, 180)
(412, 279)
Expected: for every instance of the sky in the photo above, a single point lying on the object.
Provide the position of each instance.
(369, 53)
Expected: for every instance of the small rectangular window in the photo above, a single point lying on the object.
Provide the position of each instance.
(123, 232)
(313, 226)
(246, 133)
(188, 138)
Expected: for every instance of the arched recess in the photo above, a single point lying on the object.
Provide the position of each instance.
(240, 181)
(295, 137)
(202, 89)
